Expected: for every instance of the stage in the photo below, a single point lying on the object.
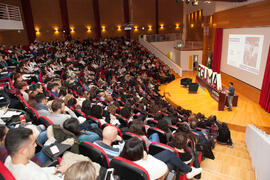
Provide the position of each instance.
(247, 111)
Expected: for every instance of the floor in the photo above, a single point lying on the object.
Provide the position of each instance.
(230, 163)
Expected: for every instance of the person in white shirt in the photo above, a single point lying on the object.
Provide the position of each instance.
(134, 151)
(20, 144)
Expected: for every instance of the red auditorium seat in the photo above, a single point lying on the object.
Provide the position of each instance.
(162, 134)
(45, 121)
(5, 174)
(95, 153)
(128, 170)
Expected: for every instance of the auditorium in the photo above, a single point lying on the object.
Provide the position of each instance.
(134, 89)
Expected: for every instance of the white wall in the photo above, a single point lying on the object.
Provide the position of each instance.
(184, 58)
(165, 47)
(10, 24)
(177, 69)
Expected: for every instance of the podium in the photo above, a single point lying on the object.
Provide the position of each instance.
(220, 96)
(223, 100)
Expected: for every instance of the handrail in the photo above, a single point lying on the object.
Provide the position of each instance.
(177, 69)
(10, 12)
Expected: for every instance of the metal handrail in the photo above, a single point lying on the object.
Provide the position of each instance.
(10, 12)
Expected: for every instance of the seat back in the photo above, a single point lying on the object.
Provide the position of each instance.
(156, 147)
(162, 134)
(45, 121)
(95, 153)
(128, 135)
(151, 122)
(33, 114)
(128, 170)
(124, 121)
(79, 113)
(94, 119)
(5, 174)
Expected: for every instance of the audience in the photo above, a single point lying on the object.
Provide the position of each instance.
(83, 170)
(113, 80)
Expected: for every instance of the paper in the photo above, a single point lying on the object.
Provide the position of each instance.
(9, 114)
(54, 149)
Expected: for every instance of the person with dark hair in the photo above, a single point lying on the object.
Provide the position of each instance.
(72, 102)
(73, 125)
(63, 92)
(54, 88)
(3, 152)
(134, 151)
(136, 128)
(22, 86)
(164, 125)
(20, 144)
(58, 115)
(230, 95)
(86, 107)
(41, 105)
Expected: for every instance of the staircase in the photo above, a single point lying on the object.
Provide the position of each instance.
(230, 163)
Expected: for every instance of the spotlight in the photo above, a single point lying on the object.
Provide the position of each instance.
(187, 1)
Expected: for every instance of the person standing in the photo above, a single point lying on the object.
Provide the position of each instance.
(230, 95)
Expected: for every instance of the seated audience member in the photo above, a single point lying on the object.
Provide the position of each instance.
(20, 144)
(83, 170)
(22, 86)
(73, 126)
(134, 151)
(54, 88)
(41, 105)
(32, 101)
(136, 128)
(3, 150)
(164, 125)
(110, 135)
(179, 142)
(58, 115)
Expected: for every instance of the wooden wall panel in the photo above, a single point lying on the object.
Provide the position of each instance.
(170, 13)
(81, 16)
(13, 37)
(47, 15)
(142, 14)
(256, 14)
(111, 15)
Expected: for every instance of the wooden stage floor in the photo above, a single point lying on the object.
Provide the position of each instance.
(247, 111)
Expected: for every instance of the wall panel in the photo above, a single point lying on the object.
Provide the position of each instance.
(142, 14)
(170, 13)
(80, 17)
(111, 15)
(47, 16)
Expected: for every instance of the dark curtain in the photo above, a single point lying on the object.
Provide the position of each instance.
(265, 91)
(217, 50)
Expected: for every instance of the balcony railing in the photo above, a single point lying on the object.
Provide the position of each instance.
(10, 12)
(163, 37)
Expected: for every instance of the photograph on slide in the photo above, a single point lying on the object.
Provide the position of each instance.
(244, 51)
